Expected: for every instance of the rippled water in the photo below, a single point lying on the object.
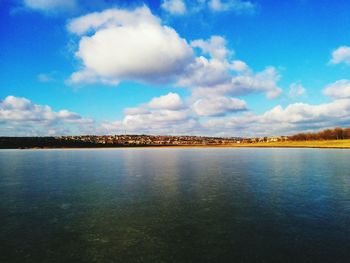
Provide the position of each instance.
(175, 205)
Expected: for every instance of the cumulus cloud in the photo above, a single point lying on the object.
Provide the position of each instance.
(238, 6)
(161, 115)
(217, 74)
(339, 89)
(174, 7)
(221, 83)
(20, 116)
(341, 55)
(169, 114)
(293, 118)
(305, 113)
(218, 106)
(204, 73)
(171, 101)
(50, 5)
(158, 123)
(118, 45)
(264, 81)
(296, 90)
(239, 66)
(279, 120)
(154, 118)
(21, 109)
(25, 115)
(153, 121)
(215, 46)
(213, 119)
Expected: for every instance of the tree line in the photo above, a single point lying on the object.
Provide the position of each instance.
(39, 142)
(328, 134)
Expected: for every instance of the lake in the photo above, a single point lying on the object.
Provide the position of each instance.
(175, 205)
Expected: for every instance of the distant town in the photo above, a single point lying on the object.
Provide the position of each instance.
(126, 141)
(96, 141)
(166, 140)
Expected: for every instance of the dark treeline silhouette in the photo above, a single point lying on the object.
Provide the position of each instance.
(329, 134)
(44, 142)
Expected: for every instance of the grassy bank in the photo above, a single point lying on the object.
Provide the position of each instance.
(300, 144)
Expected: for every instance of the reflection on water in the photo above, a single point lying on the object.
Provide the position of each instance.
(175, 205)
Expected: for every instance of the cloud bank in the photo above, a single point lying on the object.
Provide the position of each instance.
(26, 118)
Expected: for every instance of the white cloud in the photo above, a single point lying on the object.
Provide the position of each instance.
(238, 6)
(339, 89)
(21, 109)
(261, 82)
(168, 114)
(296, 90)
(114, 17)
(215, 46)
(294, 118)
(87, 76)
(341, 55)
(152, 121)
(161, 115)
(117, 45)
(175, 7)
(218, 75)
(50, 5)
(279, 120)
(154, 118)
(171, 101)
(264, 81)
(128, 45)
(160, 123)
(136, 110)
(239, 66)
(204, 72)
(26, 116)
(218, 106)
(305, 113)
(180, 7)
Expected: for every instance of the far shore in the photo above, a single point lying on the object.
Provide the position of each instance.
(338, 144)
(335, 144)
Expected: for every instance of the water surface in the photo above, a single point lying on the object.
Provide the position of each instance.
(175, 205)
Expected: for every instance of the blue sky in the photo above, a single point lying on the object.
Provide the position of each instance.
(211, 67)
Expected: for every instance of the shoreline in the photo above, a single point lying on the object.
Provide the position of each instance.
(331, 144)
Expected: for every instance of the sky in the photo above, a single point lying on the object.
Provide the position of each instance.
(173, 67)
